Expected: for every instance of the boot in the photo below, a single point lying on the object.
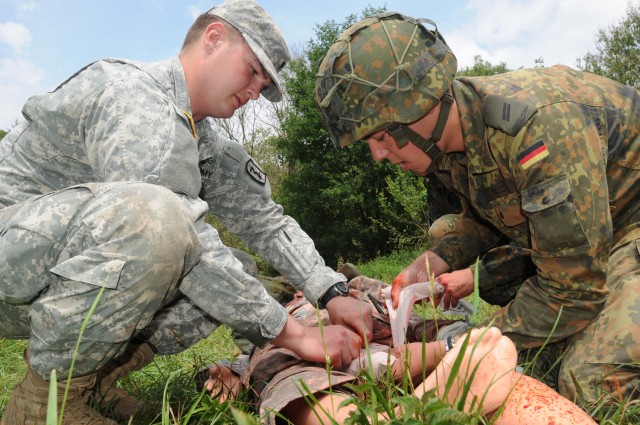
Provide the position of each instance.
(349, 270)
(113, 399)
(28, 403)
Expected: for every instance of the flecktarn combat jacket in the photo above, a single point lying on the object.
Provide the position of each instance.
(552, 161)
(120, 121)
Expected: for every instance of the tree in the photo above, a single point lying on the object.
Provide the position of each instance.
(333, 193)
(2, 134)
(617, 54)
(483, 68)
(255, 126)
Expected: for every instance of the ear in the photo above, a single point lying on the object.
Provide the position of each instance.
(213, 35)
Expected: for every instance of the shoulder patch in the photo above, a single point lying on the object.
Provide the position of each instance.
(506, 114)
(256, 172)
(533, 154)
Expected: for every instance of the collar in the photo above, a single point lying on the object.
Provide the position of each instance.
(478, 155)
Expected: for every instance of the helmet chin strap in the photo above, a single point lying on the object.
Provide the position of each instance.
(402, 134)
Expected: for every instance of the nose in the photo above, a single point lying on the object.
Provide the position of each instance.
(378, 151)
(254, 91)
(260, 82)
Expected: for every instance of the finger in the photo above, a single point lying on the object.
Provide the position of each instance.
(368, 328)
(396, 287)
(447, 301)
(365, 331)
(437, 298)
(355, 346)
(336, 358)
(362, 324)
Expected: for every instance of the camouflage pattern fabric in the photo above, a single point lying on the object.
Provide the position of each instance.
(551, 162)
(440, 201)
(501, 270)
(440, 227)
(105, 183)
(361, 89)
(274, 374)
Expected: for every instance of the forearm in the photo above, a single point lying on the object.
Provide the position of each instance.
(468, 240)
(502, 265)
(418, 359)
(219, 286)
(285, 246)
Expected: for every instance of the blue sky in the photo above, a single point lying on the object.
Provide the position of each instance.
(42, 42)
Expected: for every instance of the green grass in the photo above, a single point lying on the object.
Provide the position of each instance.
(167, 384)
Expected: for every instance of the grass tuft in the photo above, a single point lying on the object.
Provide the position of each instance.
(168, 387)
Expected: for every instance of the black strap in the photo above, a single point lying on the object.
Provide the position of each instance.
(402, 134)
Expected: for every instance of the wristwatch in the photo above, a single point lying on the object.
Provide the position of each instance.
(340, 289)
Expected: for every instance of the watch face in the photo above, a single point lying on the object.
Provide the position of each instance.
(342, 288)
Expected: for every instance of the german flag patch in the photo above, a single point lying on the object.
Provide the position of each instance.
(533, 154)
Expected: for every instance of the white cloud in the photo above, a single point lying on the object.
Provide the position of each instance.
(19, 79)
(15, 35)
(518, 32)
(20, 71)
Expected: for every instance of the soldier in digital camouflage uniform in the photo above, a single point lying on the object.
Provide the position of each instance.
(105, 184)
(547, 157)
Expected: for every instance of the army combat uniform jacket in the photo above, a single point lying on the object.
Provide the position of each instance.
(118, 121)
(551, 161)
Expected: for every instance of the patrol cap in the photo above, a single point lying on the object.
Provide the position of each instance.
(263, 37)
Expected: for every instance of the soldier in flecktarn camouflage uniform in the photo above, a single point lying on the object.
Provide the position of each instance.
(500, 269)
(104, 187)
(548, 158)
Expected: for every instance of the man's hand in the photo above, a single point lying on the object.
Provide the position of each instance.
(340, 345)
(457, 284)
(223, 383)
(417, 272)
(353, 314)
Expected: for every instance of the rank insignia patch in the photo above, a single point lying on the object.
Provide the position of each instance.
(533, 154)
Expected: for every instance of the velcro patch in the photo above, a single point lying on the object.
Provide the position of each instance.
(256, 172)
(533, 154)
(507, 114)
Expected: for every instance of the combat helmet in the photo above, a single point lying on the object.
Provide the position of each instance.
(383, 72)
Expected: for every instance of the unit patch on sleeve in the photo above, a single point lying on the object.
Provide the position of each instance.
(256, 172)
(533, 154)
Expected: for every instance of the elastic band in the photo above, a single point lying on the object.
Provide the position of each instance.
(449, 344)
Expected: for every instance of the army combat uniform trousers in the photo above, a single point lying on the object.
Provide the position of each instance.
(136, 240)
(604, 357)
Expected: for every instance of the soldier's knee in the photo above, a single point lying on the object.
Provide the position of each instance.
(145, 217)
(590, 383)
(440, 227)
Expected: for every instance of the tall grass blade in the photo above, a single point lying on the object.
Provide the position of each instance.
(52, 401)
(85, 323)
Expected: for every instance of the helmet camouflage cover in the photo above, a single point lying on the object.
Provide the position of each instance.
(384, 69)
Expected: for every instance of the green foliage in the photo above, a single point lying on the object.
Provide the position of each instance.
(171, 378)
(2, 134)
(617, 54)
(483, 68)
(406, 207)
(333, 193)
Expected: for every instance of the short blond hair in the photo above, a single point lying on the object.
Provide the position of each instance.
(202, 22)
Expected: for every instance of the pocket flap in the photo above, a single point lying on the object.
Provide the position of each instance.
(93, 267)
(546, 194)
